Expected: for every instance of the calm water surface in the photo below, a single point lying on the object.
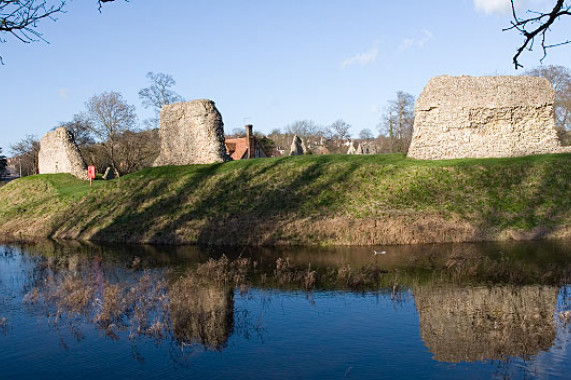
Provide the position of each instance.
(439, 311)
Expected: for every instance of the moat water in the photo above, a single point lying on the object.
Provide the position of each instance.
(437, 311)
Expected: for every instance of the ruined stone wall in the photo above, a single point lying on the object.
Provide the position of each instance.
(191, 133)
(59, 154)
(297, 147)
(504, 116)
(478, 323)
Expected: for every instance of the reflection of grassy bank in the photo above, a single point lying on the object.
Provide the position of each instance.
(516, 263)
(302, 200)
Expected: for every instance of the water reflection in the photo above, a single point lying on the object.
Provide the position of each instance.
(474, 302)
(493, 322)
(202, 306)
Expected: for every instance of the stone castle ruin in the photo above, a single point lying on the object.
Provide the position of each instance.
(59, 154)
(298, 147)
(191, 133)
(473, 117)
(351, 149)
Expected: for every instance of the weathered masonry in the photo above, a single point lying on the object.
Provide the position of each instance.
(503, 116)
(59, 154)
(191, 133)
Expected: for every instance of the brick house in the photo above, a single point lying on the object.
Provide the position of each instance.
(245, 147)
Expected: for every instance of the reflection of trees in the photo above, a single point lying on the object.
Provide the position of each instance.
(195, 308)
(478, 323)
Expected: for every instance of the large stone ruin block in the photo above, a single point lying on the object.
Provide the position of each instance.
(191, 133)
(503, 116)
(59, 154)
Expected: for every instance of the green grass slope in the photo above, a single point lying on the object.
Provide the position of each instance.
(331, 199)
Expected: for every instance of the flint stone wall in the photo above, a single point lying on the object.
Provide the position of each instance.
(503, 116)
(191, 133)
(59, 154)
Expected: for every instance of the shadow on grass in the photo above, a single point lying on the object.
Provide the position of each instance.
(214, 201)
(527, 194)
(244, 202)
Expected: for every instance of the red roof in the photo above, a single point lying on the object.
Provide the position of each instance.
(237, 148)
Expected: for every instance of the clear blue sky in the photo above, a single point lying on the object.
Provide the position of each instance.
(265, 62)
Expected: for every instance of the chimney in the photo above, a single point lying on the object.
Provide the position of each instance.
(250, 139)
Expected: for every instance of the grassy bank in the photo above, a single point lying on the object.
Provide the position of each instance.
(332, 199)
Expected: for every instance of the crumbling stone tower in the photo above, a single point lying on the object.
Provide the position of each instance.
(298, 147)
(503, 116)
(59, 154)
(191, 133)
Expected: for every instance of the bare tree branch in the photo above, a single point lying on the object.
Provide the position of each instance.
(20, 18)
(538, 25)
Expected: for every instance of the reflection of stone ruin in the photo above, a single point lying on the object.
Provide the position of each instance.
(59, 154)
(202, 314)
(505, 116)
(478, 323)
(191, 133)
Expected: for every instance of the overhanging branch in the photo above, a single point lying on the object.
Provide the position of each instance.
(538, 25)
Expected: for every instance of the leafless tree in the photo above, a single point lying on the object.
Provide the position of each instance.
(560, 78)
(398, 122)
(340, 129)
(303, 128)
(137, 150)
(158, 94)
(109, 117)
(238, 132)
(81, 129)
(25, 153)
(275, 131)
(366, 134)
(536, 26)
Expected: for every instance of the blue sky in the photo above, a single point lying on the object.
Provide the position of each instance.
(265, 62)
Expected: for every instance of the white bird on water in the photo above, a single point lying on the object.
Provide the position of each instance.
(379, 253)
